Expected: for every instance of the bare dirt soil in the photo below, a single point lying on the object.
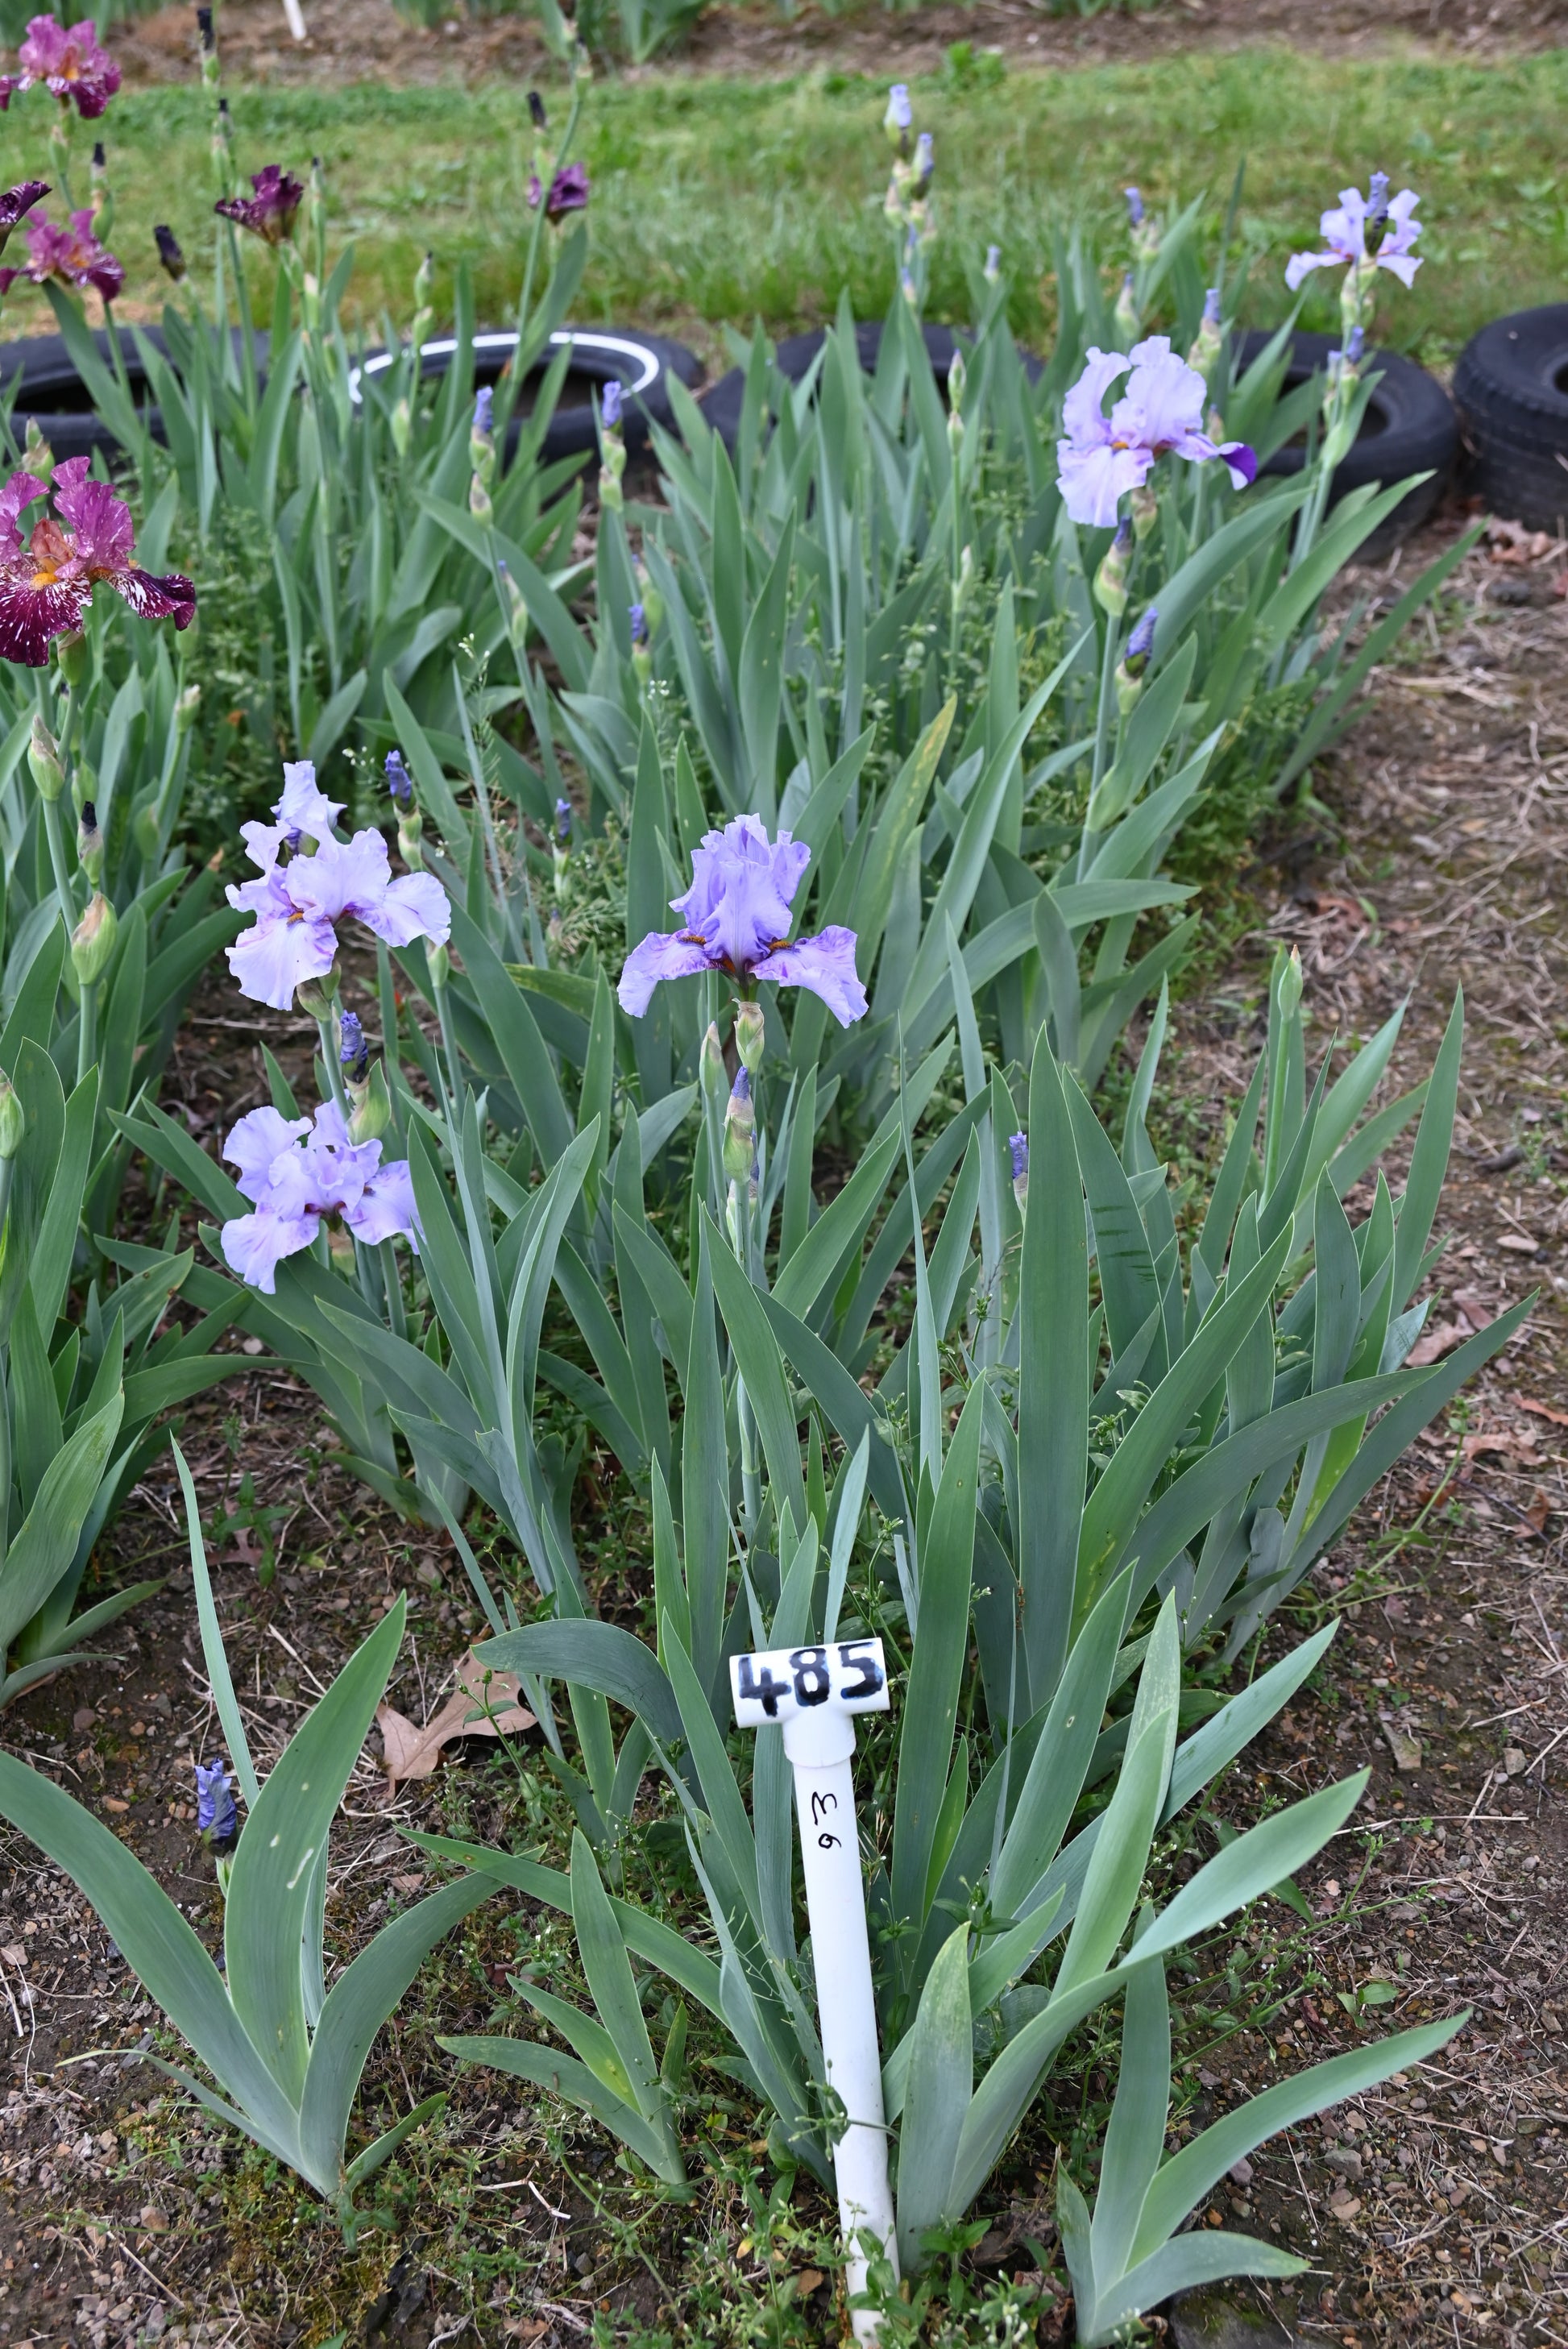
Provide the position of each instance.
(366, 40)
(1432, 2211)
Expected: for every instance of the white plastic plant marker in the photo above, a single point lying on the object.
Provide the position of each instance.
(295, 20)
(813, 1694)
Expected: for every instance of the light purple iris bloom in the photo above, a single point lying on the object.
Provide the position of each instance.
(737, 919)
(295, 1172)
(298, 905)
(215, 1803)
(1394, 230)
(1159, 413)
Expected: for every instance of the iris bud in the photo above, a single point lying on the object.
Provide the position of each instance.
(317, 998)
(439, 962)
(37, 456)
(13, 1118)
(740, 1128)
(44, 758)
(71, 652)
(1110, 579)
(1144, 507)
(750, 1035)
(715, 1075)
(89, 844)
(185, 707)
(92, 940)
(371, 1106)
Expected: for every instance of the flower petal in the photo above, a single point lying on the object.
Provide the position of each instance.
(303, 809)
(255, 1144)
(1241, 463)
(661, 954)
(255, 1246)
(32, 617)
(341, 876)
(171, 597)
(415, 905)
(1093, 480)
(1082, 417)
(825, 964)
(386, 1209)
(1302, 264)
(279, 954)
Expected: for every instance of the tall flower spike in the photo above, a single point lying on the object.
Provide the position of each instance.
(737, 920)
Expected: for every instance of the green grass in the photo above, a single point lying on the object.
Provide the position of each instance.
(727, 201)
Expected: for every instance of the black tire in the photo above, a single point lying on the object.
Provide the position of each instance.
(52, 394)
(1410, 426)
(642, 364)
(793, 358)
(1511, 389)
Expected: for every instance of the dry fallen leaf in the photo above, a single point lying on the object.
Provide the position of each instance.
(1343, 2206)
(1433, 1344)
(1542, 1410)
(483, 1704)
(1540, 1509)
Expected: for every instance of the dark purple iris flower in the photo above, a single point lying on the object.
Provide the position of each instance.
(270, 212)
(737, 920)
(68, 62)
(68, 253)
(46, 582)
(568, 192)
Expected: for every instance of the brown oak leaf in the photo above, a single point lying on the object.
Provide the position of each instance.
(482, 1704)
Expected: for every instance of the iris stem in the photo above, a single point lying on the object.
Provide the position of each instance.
(53, 833)
(86, 1029)
(450, 1050)
(367, 1263)
(738, 1219)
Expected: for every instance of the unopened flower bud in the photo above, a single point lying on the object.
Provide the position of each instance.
(439, 963)
(12, 1118)
(424, 282)
(186, 705)
(92, 940)
(102, 205)
(711, 1063)
(740, 1128)
(1018, 1150)
(1126, 312)
(1207, 342)
(991, 273)
(648, 596)
(1110, 579)
(71, 652)
(898, 119)
(89, 844)
(750, 1035)
(516, 608)
(317, 998)
(479, 505)
(536, 113)
(410, 839)
(37, 456)
(169, 253)
(963, 584)
(400, 424)
(1288, 983)
(371, 1105)
(481, 436)
(353, 1051)
(1134, 661)
(44, 758)
(1143, 507)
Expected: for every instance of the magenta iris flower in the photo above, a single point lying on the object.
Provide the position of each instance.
(16, 202)
(296, 1171)
(299, 905)
(1159, 413)
(1387, 223)
(269, 213)
(46, 582)
(569, 192)
(67, 252)
(69, 63)
(737, 920)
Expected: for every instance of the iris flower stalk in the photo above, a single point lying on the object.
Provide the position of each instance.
(545, 168)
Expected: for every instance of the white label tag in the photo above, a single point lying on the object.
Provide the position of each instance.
(850, 1676)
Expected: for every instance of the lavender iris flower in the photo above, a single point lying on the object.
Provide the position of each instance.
(737, 919)
(1159, 413)
(399, 782)
(296, 1171)
(639, 620)
(215, 1814)
(1134, 207)
(1019, 1149)
(298, 905)
(900, 115)
(1394, 230)
(609, 406)
(562, 820)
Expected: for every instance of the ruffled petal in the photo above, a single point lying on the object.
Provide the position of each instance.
(825, 964)
(255, 1246)
(1402, 265)
(1082, 420)
(341, 876)
(278, 954)
(264, 843)
(19, 490)
(255, 1144)
(661, 954)
(1241, 463)
(303, 809)
(1093, 479)
(415, 905)
(386, 1209)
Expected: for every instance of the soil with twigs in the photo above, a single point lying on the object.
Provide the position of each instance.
(367, 40)
(1429, 2211)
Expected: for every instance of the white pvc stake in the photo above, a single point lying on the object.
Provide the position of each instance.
(814, 1695)
(295, 20)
